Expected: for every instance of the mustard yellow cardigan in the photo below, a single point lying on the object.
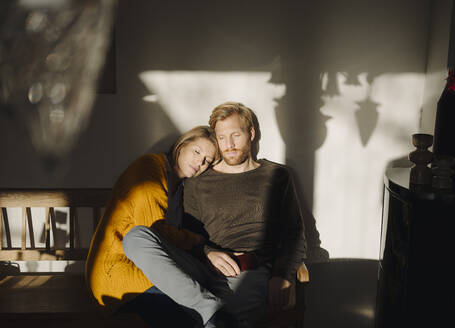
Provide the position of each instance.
(139, 197)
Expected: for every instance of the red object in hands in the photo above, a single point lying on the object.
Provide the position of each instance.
(247, 261)
(451, 79)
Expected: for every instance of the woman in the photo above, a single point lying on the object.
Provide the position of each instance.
(140, 197)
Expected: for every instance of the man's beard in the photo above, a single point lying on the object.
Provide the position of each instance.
(241, 157)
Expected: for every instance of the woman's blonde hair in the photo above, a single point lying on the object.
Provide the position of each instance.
(201, 131)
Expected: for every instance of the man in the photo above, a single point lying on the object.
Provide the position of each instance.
(248, 206)
(250, 215)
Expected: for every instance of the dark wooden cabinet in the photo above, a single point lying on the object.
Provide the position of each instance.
(416, 271)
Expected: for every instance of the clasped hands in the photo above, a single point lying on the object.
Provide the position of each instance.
(279, 288)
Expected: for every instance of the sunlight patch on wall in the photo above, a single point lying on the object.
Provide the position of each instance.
(188, 98)
(349, 172)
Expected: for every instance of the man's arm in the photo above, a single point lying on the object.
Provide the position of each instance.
(279, 292)
(292, 249)
(292, 240)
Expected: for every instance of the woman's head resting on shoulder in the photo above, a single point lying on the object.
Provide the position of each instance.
(194, 152)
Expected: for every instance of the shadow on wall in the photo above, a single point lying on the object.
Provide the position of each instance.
(121, 132)
(310, 39)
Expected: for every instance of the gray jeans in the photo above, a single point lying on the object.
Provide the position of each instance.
(192, 283)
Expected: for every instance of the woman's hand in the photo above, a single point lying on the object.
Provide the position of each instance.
(224, 263)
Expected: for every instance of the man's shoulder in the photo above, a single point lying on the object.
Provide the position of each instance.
(266, 162)
(275, 167)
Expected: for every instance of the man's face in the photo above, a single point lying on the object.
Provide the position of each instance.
(234, 140)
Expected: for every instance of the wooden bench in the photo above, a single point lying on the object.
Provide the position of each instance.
(49, 299)
(62, 298)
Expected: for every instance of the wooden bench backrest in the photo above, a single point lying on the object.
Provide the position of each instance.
(47, 199)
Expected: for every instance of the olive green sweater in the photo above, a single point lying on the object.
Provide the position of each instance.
(257, 210)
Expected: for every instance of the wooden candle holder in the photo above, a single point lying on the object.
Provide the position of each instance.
(420, 172)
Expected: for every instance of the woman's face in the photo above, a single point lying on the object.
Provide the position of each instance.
(195, 157)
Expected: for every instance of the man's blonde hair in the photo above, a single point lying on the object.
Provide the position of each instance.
(229, 108)
(201, 131)
(247, 116)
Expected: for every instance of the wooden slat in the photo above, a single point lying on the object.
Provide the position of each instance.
(77, 235)
(7, 230)
(47, 227)
(31, 234)
(54, 197)
(53, 225)
(24, 225)
(72, 222)
(1, 229)
(41, 254)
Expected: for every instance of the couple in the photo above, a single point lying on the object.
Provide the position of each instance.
(228, 246)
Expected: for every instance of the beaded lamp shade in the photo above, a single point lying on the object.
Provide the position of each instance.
(51, 53)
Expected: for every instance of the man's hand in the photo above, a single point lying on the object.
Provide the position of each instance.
(279, 292)
(224, 263)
